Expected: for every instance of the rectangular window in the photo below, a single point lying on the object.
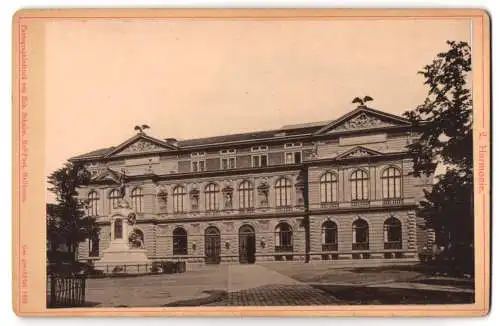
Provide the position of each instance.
(293, 157)
(228, 163)
(259, 160)
(198, 166)
(258, 148)
(293, 145)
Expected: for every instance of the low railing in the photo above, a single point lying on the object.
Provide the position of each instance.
(360, 203)
(283, 248)
(392, 201)
(330, 247)
(393, 245)
(65, 291)
(284, 208)
(361, 246)
(334, 204)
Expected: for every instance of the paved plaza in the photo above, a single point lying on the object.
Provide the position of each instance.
(233, 285)
(272, 285)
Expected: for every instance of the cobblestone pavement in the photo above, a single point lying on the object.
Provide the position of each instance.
(277, 295)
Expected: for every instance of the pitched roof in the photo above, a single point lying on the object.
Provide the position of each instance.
(95, 153)
(312, 128)
(227, 138)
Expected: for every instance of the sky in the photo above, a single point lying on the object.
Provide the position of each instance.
(199, 78)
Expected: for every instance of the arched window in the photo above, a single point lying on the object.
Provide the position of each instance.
(391, 183)
(136, 198)
(329, 236)
(392, 234)
(283, 189)
(162, 201)
(94, 244)
(180, 241)
(118, 228)
(245, 191)
(360, 231)
(93, 204)
(328, 188)
(211, 192)
(359, 185)
(179, 195)
(283, 237)
(114, 197)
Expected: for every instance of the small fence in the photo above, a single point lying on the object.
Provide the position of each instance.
(159, 267)
(65, 291)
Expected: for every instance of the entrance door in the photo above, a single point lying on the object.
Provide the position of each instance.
(212, 245)
(247, 244)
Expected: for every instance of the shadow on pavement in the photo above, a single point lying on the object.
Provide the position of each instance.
(360, 295)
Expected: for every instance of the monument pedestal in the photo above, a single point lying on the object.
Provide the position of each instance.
(124, 250)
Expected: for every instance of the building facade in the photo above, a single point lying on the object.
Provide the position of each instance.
(334, 190)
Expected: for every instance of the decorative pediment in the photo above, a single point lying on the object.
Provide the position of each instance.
(140, 143)
(107, 175)
(363, 118)
(361, 121)
(356, 152)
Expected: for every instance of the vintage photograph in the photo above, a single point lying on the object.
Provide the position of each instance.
(259, 162)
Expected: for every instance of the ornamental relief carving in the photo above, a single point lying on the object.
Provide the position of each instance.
(141, 146)
(361, 121)
(358, 153)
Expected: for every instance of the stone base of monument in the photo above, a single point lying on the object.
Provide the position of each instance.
(117, 259)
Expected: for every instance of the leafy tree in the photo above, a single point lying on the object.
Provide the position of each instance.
(445, 118)
(66, 219)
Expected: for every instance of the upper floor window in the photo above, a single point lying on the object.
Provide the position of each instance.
(162, 201)
(359, 185)
(258, 149)
(211, 193)
(293, 157)
(293, 145)
(245, 191)
(391, 183)
(198, 162)
(114, 197)
(328, 188)
(283, 189)
(228, 163)
(259, 160)
(228, 159)
(198, 166)
(136, 198)
(179, 195)
(93, 204)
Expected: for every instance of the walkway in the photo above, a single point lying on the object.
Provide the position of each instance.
(233, 285)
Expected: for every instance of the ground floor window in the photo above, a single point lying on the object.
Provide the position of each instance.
(283, 237)
(180, 241)
(392, 234)
(329, 236)
(360, 235)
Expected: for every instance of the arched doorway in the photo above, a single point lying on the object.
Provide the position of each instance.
(212, 245)
(247, 244)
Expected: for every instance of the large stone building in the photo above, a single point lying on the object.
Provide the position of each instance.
(336, 190)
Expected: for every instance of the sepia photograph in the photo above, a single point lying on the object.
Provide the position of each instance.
(257, 162)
